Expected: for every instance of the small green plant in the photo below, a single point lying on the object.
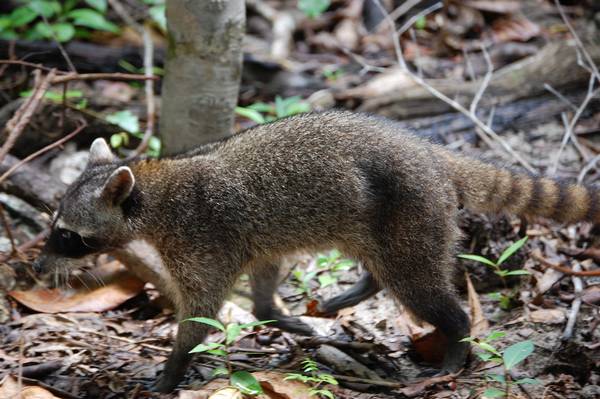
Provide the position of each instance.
(315, 378)
(313, 8)
(499, 385)
(130, 124)
(332, 74)
(329, 266)
(262, 112)
(504, 299)
(241, 380)
(157, 13)
(52, 19)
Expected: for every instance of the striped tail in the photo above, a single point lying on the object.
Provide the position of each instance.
(483, 187)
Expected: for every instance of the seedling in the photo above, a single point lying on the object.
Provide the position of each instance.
(329, 267)
(130, 124)
(505, 300)
(241, 380)
(313, 377)
(499, 385)
(263, 113)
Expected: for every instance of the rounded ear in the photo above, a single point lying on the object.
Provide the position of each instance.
(100, 152)
(118, 186)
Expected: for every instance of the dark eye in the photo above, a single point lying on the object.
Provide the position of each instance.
(69, 243)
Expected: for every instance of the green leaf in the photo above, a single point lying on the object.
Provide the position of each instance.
(217, 352)
(22, 16)
(496, 377)
(116, 140)
(519, 272)
(327, 378)
(508, 252)
(99, 5)
(477, 258)
(8, 34)
(495, 335)
(5, 23)
(485, 356)
(220, 371)
(516, 353)
(256, 323)
(262, 107)
(326, 279)
(421, 22)
(44, 7)
(63, 31)
(487, 347)
(324, 393)
(205, 320)
(126, 120)
(92, 19)
(246, 383)
(232, 331)
(528, 381)
(157, 13)
(206, 347)
(493, 393)
(251, 114)
(313, 8)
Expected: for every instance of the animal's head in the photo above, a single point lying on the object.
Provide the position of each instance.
(90, 218)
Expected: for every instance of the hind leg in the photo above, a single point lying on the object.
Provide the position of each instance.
(364, 288)
(264, 280)
(427, 293)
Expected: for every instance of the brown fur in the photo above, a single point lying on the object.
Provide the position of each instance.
(334, 179)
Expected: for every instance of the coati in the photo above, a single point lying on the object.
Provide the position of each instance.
(320, 180)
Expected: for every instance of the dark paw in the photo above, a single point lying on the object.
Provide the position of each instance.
(293, 325)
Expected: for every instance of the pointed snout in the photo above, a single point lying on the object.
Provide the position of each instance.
(39, 265)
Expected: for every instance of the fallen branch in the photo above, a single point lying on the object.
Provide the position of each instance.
(485, 129)
(566, 270)
(23, 115)
(102, 76)
(42, 151)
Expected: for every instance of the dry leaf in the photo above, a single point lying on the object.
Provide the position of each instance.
(514, 29)
(9, 388)
(119, 286)
(548, 316)
(479, 324)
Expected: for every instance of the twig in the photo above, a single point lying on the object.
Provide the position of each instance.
(149, 92)
(566, 270)
(589, 166)
(485, 130)
(8, 230)
(575, 305)
(42, 151)
(22, 116)
(403, 9)
(99, 76)
(56, 391)
(24, 247)
(484, 83)
(395, 37)
(593, 68)
(316, 341)
(422, 13)
(560, 96)
(62, 50)
(31, 65)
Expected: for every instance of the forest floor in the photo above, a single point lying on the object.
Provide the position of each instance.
(106, 333)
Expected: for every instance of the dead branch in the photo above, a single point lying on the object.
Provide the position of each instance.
(485, 129)
(8, 230)
(566, 270)
(23, 115)
(42, 151)
(575, 305)
(100, 76)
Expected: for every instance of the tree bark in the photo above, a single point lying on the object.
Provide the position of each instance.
(203, 70)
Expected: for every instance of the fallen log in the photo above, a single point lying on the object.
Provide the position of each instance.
(555, 64)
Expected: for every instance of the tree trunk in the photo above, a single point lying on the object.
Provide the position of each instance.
(203, 69)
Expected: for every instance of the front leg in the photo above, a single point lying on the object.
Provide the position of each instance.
(200, 292)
